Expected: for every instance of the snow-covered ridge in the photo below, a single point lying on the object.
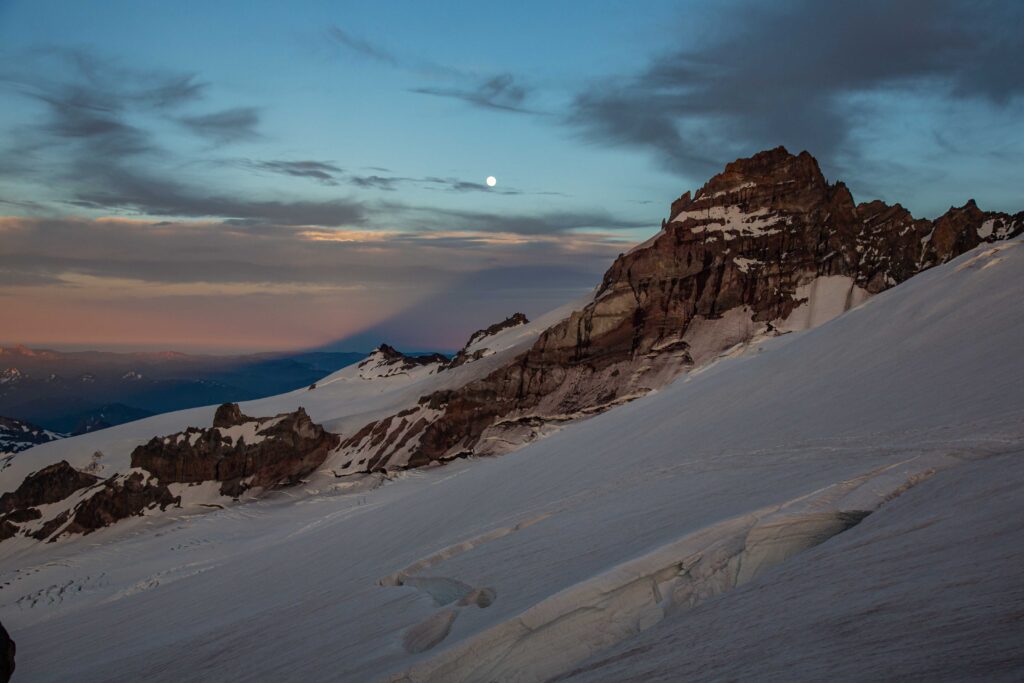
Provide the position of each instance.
(385, 361)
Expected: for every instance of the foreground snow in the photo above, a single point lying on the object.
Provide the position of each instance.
(906, 409)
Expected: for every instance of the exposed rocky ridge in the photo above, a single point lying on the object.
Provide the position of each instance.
(51, 484)
(386, 361)
(116, 498)
(514, 320)
(473, 350)
(122, 496)
(765, 247)
(239, 451)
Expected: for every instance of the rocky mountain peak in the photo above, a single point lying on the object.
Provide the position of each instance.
(514, 320)
(230, 415)
(239, 451)
(765, 247)
(387, 361)
(773, 179)
(476, 348)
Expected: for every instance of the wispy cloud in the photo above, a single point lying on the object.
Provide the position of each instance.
(67, 251)
(363, 47)
(500, 92)
(230, 125)
(391, 183)
(548, 223)
(322, 171)
(109, 188)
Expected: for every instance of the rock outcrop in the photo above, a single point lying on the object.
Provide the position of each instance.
(239, 451)
(386, 361)
(89, 504)
(51, 484)
(514, 320)
(476, 348)
(766, 247)
(122, 496)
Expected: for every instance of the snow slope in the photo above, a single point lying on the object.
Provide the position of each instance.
(707, 500)
(928, 588)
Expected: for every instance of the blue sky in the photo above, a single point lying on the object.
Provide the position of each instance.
(256, 175)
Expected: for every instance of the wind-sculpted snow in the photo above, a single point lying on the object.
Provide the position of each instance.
(925, 590)
(725, 498)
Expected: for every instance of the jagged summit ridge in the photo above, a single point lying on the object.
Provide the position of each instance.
(765, 247)
(387, 361)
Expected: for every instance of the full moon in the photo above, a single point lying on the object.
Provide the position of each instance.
(491, 181)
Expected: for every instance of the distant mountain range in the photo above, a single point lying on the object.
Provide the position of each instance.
(78, 392)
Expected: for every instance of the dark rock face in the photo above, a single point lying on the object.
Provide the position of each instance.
(7, 651)
(766, 246)
(394, 354)
(229, 415)
(118, 498)
(121, 497)
(239, 451)
(466, 356)
(49, 485)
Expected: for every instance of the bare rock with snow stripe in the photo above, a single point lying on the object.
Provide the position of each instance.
(240, 451)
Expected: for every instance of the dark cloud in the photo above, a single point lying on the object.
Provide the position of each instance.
(91, 118)
(321, 171)
(107, 187)
(144, 87)
(91, 107)
(25, 275)
(42, 251)
(230, 125)
(500, 92)
(788, 73)
(220, 284)
(376, 182)
(94, 119)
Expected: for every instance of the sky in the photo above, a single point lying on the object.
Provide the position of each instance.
(253, 176)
